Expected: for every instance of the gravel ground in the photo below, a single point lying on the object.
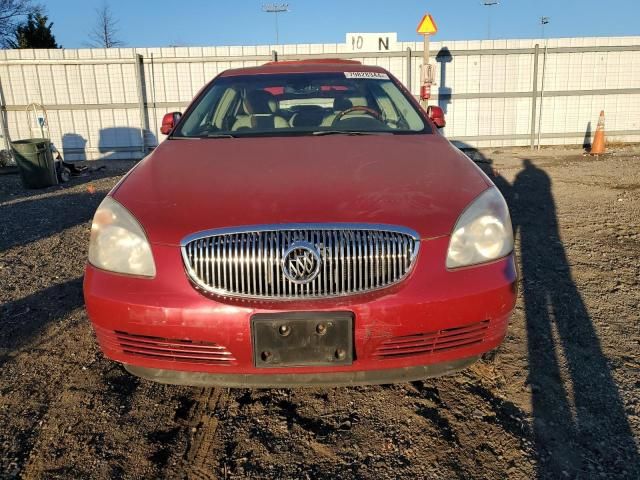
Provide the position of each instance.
(559, 399)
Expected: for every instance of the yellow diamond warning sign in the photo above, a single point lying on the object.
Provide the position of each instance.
(427, 25)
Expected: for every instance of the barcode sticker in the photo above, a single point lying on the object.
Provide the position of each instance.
(367, 75)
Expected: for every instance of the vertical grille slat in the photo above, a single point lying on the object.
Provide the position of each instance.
(249, 263)
(343, 260)
(196, 248)
(404, 252)
(352, 274)
(236, 263)
(365, 261)
(286, 240)
(207, 261)
(243, 263)
(329, 260)
(377, 259)
(392, 257)
(358, 266)
(323, 254)
(254, 266)
(389, 243)
(383, 259)
(216, 259)
(273, 257)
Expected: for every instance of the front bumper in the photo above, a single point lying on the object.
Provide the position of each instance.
(337, 379)
(164, 330)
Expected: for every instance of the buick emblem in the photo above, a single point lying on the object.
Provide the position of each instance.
(301, 262)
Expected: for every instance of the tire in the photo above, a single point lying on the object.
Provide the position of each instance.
(64, 175)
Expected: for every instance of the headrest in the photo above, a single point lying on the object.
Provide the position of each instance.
(358, 101)
(341, 104)
(259, 102)
(308, 118)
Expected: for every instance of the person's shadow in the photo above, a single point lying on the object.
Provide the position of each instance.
(579, 420)
(578, 417)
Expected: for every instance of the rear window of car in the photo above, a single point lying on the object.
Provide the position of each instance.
(302, 104)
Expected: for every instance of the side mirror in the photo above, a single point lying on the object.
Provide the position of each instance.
(169, 121)
(436, 115)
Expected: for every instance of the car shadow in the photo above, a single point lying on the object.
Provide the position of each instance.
(580, 427)
(11, 187)
(21, 321)
(25, 222)
(30, 220)
(74, 147)
(115, 143)
(30, 216)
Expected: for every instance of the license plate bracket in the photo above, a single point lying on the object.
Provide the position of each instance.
(297, 339)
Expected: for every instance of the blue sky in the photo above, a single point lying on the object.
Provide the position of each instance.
(241, 22)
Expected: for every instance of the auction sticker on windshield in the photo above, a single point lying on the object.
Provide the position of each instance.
(367, 75)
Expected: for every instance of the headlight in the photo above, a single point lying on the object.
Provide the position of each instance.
(483, 232)
(118, 242)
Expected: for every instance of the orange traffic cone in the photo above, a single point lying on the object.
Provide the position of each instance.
(598, 147)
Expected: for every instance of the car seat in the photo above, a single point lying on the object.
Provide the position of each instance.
(261, 107)
(340, 104)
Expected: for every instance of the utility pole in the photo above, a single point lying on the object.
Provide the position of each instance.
(276, 8)
(489, 3)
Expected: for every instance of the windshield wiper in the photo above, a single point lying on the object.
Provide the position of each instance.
(212, 135)
(219, 135)
(348, 132)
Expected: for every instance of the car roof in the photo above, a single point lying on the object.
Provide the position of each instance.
(324, 65)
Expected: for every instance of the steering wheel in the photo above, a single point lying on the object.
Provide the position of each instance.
(366, 110)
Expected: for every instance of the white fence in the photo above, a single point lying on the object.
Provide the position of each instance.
(109, 102)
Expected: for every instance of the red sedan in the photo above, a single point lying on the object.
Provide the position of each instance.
(304, 223)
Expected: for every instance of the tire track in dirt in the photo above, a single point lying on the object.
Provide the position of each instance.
(36, 404)
(203, 421)
(51, 425)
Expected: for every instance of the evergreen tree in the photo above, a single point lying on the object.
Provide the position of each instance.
(34, 33)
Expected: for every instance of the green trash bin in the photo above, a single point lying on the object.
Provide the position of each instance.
(35, 162)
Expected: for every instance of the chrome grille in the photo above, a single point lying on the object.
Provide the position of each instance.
(248, 262)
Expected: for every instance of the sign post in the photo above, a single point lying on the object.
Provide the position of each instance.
(426, 27)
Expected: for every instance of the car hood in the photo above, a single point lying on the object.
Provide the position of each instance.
(189, 185)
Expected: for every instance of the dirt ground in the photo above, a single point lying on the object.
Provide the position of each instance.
(559, 399)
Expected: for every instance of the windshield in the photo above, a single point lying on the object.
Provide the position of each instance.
(302, 103)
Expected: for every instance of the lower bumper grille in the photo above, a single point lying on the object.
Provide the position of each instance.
(433, 342)
(172, 350)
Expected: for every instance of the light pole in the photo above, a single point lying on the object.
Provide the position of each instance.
(276, 8)
(489, 3)
(544, 21)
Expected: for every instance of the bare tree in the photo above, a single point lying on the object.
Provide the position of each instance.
(12, 14)
(105, 31)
